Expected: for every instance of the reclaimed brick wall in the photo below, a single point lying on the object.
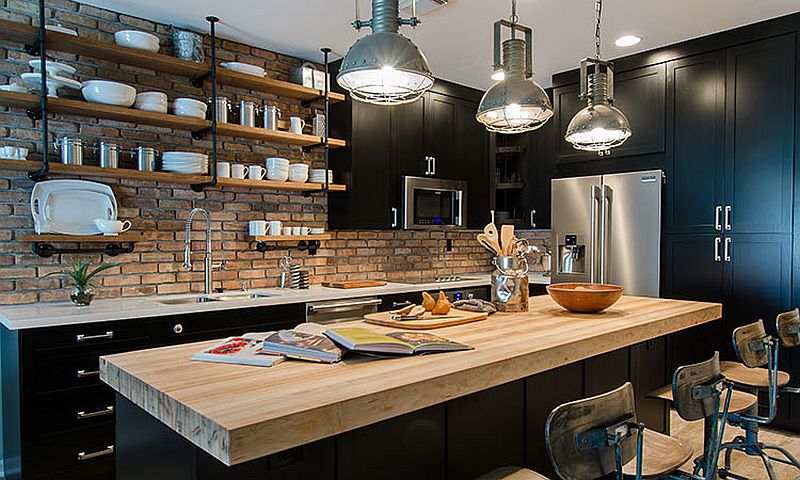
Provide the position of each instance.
(160, 209)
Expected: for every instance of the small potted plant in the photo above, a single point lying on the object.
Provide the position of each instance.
(80, 276)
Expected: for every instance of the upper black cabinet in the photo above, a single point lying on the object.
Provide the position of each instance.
(639, 93)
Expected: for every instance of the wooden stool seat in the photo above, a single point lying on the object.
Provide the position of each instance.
(740, 401)
(751, 377)
(512, 473)
(661, 454)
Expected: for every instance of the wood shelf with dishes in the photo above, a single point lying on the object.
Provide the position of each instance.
(309, 243)
(166, 177)
(28, 34)
(129, 236)
(112, 245)
(290, 238)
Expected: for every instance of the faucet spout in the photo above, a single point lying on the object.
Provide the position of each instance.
(187, 251)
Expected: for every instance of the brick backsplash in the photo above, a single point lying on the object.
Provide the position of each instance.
(160, 209)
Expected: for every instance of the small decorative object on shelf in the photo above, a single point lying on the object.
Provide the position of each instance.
(83, 291)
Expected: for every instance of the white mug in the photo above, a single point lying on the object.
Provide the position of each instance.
(274, 228)
(296, 124)
(223, 169)
(287, 230)
(256, 172)
(258, 228)
(304, 230)
(296, 230)
(238, 171)
(112, 227)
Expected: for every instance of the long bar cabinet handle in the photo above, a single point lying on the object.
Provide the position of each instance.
(85, 338)
(99, 413)
(728, 243)
(717, 215)
(82, 456)
(717, 243)
(728, 209)
(87, 373)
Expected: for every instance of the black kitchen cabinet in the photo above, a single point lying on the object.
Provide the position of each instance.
(409, 138)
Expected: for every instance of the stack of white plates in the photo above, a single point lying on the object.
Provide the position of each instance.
(318, 176)
(277, 169)
(185, 162)
(244, 68)
(298, 172)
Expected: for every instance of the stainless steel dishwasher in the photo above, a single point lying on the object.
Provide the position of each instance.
(341, 310)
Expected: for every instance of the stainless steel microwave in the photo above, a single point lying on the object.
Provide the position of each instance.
(433, 204)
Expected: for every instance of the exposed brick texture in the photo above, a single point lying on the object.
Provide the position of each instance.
(160, 209)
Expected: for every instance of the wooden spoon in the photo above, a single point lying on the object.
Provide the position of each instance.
(490, 230)
(506, 238)
(489, 244)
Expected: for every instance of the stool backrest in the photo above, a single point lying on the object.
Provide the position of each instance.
(686, 378)
(568, 421)
(788, 326)
(747, 341)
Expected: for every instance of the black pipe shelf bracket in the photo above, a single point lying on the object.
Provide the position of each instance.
(311, 246)
(199, 187)
(39, 47)
(112, 249)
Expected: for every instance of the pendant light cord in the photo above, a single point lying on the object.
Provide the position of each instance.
(598, 8)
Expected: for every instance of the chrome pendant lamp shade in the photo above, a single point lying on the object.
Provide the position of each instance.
(515, 104)
(600, 126)
(385, 67)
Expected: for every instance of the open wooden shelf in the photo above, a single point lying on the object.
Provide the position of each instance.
(27, 35)
(140, 117)
(165, 177)
(290, 238)
(129, 236)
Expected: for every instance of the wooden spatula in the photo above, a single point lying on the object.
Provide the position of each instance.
(506, 238)
(490, 230)
(489, 244)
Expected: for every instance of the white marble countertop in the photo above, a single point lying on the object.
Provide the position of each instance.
(54, 314)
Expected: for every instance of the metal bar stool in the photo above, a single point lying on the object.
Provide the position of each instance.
(600, 436)
(756, 350)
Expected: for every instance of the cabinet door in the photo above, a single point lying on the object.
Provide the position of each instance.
(441, 124)
(760, 135)
(472, 152)
(408, 138)
(691, 269)
(695, 161)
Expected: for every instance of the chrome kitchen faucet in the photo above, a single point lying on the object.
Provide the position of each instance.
(208, 265)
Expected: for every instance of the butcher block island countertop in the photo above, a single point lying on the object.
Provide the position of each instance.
(239, 413)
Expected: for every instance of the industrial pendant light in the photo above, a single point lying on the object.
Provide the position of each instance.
(385, 67)
(600, 126)
(515, 103)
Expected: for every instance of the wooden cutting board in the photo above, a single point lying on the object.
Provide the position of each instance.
(354, 284)
(427, 321)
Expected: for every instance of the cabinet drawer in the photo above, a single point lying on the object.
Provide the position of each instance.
(84, 337)
(83, 454)
(70, 371)
(83, 407)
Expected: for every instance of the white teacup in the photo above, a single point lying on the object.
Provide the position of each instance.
(287, 230)
(256, 172)
(274, 228)
(304, 230)
(238, 171)
(112, 227)
(258, 228)
(296, 231)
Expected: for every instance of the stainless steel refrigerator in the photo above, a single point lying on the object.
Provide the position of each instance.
(607, 229)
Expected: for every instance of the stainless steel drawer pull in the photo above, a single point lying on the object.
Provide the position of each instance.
(99, 413)
(365, 303)
(85, 338)
(400, 304)
(100, 453)
(88, 373)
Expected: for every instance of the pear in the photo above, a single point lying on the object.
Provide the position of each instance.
(442, 306)
(428, 301)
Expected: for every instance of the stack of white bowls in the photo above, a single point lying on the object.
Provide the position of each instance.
(151, 102)
(318, 175)
(189, 107)
(189, 163)
(277, 169)
(298, 172)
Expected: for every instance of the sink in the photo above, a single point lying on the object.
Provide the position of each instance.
(229, 297)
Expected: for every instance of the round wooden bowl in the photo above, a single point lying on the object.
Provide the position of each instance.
(585, 297)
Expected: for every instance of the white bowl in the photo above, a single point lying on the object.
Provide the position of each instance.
(299, 178)
(244, 68)
(278, 162)
(137, 39)
(299, 167)
(151, 102)
(280, 176)
(53, 68)
(189, 107)
(108, 93)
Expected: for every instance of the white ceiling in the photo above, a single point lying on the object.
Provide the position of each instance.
(457, 39)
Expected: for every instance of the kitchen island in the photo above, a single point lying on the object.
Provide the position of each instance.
(198, 420)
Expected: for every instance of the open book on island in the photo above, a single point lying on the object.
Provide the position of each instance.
(301, 345)
(366, 341)
(244, 350)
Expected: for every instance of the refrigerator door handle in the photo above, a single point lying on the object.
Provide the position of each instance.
(594, 228)
(603, 234)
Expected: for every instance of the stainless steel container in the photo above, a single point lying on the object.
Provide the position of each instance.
(318, 124)
(247, 113)
(510, 284)
(70, 149)
(223, 108)
(145, 158)
(188, 45)
(271, 116)
(109, 155)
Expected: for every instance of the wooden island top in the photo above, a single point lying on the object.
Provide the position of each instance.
(240, 413)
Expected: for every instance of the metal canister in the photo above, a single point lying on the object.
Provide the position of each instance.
(318, 124)
(271, 116)
(109, 155)
(223, 107)
(70, 149)
(145, 158)
(247, 113)
(510, 284)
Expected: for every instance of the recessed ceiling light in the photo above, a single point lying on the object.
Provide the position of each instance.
(627, 41)
(499, 75)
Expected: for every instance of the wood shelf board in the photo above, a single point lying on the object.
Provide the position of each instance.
(275, 185)
(27, 35)
(290, 238)
(58, 238)
(278, 136)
